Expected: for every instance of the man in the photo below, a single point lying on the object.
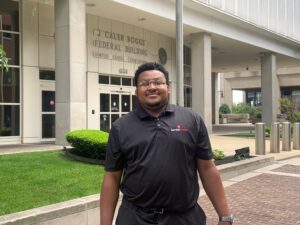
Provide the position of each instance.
(153, 156)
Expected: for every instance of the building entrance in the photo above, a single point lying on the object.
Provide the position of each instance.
(113, 105)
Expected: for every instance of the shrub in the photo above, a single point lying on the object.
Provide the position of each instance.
(241, 108)
(217, 154)
(267, 131)
(288, 109)
(224, 109)
(88, 143)
(297, 117)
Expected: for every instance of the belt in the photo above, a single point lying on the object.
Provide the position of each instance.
(159, 210)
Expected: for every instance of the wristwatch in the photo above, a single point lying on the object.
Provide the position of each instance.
(229, 219)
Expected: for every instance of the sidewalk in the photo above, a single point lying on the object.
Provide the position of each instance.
(268, 196)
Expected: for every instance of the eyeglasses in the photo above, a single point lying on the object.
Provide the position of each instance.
(147, 83)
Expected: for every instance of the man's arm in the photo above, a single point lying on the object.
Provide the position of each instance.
(109, 196)
(213, 187)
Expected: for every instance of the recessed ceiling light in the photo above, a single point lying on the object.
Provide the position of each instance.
(90, 4)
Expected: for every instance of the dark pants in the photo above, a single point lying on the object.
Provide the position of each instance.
(132, 215)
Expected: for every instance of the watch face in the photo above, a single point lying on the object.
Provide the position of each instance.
(162, 54)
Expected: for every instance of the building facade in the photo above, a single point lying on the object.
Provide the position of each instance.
(71, 62)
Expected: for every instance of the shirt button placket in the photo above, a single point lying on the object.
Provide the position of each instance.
(158, 123)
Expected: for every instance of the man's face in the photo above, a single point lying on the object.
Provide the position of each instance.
(152, 90)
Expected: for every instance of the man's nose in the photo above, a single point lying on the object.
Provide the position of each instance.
(151, 85)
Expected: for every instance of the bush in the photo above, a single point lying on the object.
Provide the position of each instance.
(88, 143)
(224, 109)
(242, 108)
(297, 117)
(217, 154)
(288, 109)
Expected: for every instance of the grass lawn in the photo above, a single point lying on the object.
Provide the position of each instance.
(30, 180)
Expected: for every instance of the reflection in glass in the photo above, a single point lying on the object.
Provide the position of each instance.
(114, 117)
(104, 102)
(48, 101)
(9, 14)
(115, 103)
(126, 81)
(134, 102)
(125, 103)
(187, 96)
(103, 79)
(48, 126)
(104, 122)
(115, 80)
(10, 44)
(47, 75)
(9, 86)
(9, 120)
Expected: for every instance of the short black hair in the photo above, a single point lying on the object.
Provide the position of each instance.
(150, 66)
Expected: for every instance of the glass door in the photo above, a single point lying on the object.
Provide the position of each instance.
(113, 105)
(48, 115)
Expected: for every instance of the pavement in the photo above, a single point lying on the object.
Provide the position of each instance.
(266, 196)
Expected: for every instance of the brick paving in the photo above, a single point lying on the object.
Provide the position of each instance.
(266, 199)
(288, 169)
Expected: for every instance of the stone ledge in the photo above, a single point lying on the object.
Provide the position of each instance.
(238, 168)
(50, 212)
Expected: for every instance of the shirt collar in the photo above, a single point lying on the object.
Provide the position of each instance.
(142, 113)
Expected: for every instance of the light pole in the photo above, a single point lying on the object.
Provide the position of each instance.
(179, 54)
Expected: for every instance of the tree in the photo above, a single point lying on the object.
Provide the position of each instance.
(288, 109)
(3, 59)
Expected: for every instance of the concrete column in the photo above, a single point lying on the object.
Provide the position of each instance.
(201, 77)
(70, 64)
(31, 110)
(270, 90)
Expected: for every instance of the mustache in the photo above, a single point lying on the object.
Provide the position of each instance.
(152, 92)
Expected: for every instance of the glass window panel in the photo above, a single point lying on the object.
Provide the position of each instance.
(9, 120)
(187, 55)
(115, 80)
(9, 14)
(258, 98)
(134, 102)
(126, 103)
(47, 75)
(104, 122)
(126, 81)
(10, 44)
(115, 103)
(48, 101)
(48, 126)
(286, 93)
(103, 79)
(187, 96)
(104, 102)
(10, 86)
(114, 117)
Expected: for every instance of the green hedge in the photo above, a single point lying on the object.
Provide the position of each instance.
(224, 109)
(88, 143)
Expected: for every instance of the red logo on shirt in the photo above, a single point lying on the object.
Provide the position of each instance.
(179, 128)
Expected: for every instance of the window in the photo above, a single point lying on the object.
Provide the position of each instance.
(103, 79)
(187, 76)
(10, 80)
(47, 75)
(115, 80)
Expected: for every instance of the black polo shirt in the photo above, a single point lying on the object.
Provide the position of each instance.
(158, 156)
